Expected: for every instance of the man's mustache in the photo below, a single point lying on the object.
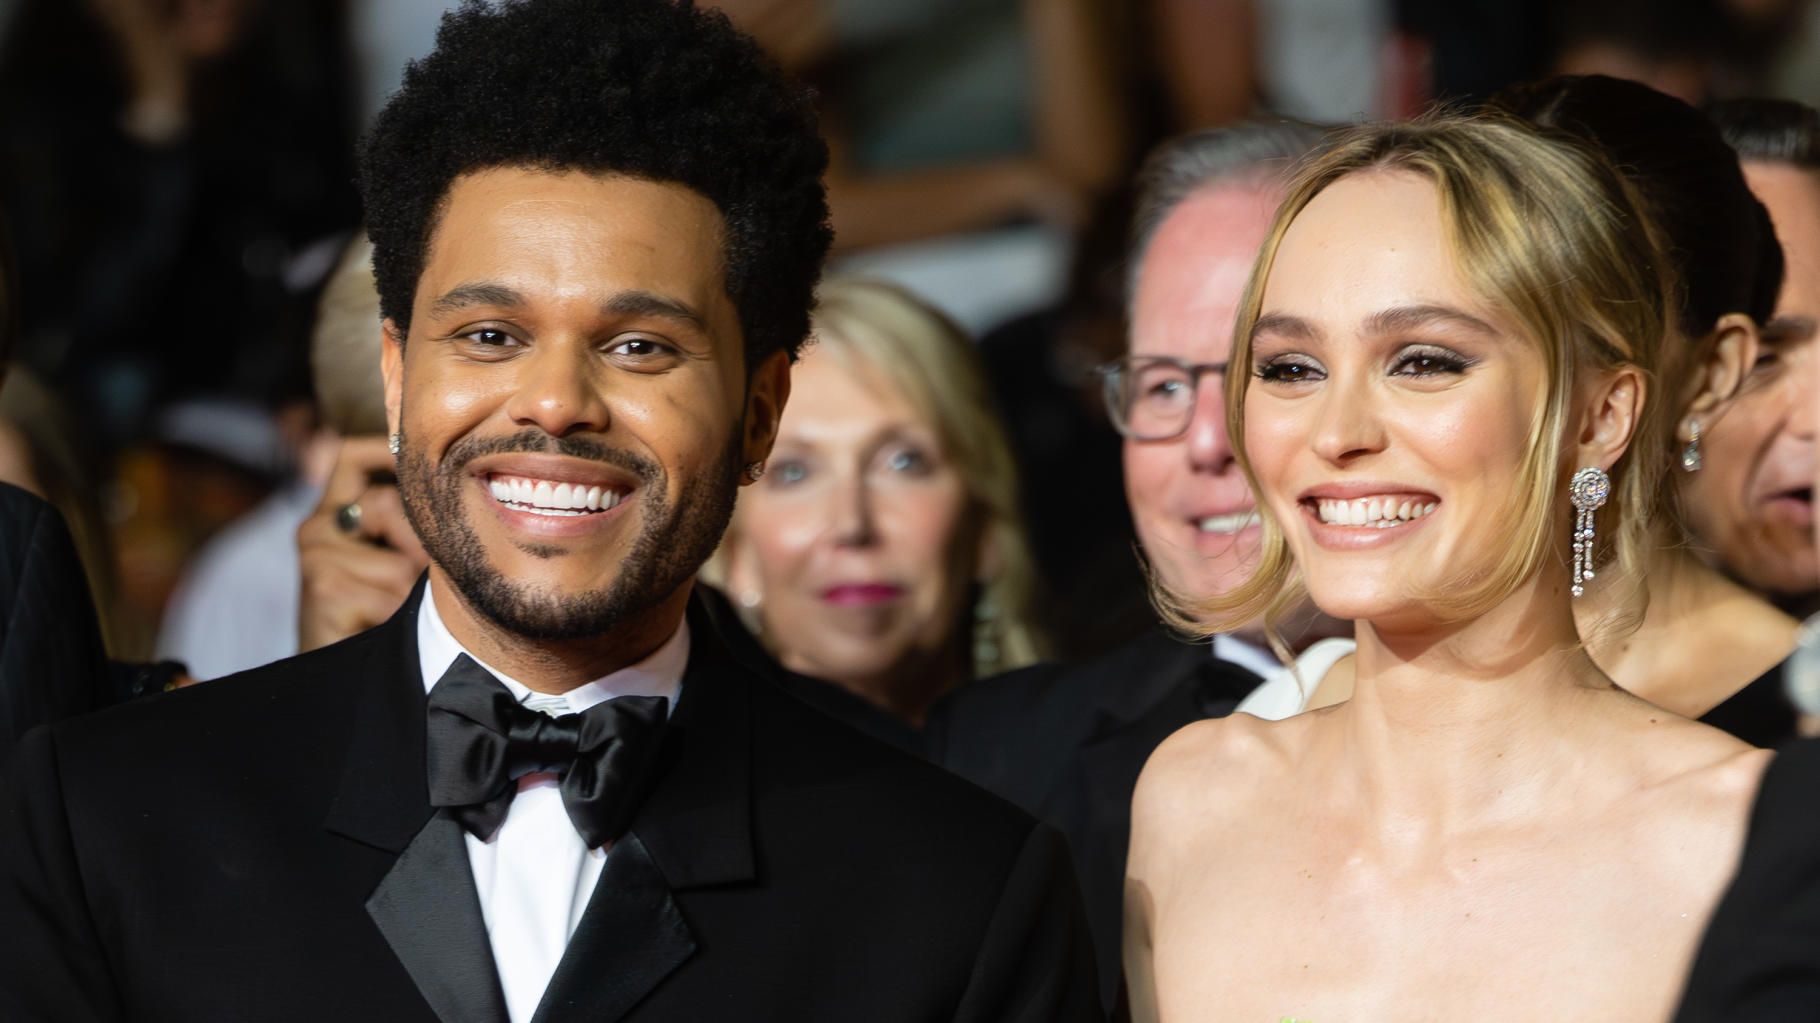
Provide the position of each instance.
(532, 441)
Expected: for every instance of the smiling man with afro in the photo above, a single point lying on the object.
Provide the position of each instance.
(545, 790)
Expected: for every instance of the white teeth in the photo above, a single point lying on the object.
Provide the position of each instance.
(547, 498)
(1376, 512)
(1232, 523)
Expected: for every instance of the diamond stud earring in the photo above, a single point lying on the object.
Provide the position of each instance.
(755, 471)
(396, 443)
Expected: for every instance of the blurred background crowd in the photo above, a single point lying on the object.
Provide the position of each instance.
(194, 383)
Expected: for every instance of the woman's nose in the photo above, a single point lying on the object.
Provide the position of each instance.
(1347, 424)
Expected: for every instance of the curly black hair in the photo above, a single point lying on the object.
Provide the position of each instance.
(652, 89)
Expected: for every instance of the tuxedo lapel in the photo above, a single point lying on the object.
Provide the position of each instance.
(631, 937)
(384, 796)
(694, 829)
(425, 906)
(429, 912)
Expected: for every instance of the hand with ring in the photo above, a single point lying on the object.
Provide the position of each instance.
(358, 555)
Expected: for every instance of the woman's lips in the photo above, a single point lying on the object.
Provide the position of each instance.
(862, 594)
(1363, 523)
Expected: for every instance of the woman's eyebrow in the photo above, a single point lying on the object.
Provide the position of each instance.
(1410, 317)
(1293, 327)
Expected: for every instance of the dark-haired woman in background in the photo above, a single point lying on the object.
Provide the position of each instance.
(1703, 637)
(1751, 507)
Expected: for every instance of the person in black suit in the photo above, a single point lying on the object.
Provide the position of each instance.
(1067, 743)
(543, 791)
(52, 661)
(1760, 957)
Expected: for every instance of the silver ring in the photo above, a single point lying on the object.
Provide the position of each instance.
(347, 518)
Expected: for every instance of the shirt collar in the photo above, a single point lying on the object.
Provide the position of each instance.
(657, 675)
(1247, 655)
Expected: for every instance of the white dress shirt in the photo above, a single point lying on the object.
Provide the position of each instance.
(1285, 692)
(535, 874)
(1257, 659)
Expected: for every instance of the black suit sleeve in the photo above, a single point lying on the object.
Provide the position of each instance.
(1036, 963)
(52, 663)
(54, 970)
(1760, 958)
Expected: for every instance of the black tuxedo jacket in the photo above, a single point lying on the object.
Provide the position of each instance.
(52, 663)
(1760, 958)
(1067, 745)
(262, 848)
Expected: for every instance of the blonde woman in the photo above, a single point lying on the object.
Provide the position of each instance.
(882, 551)
(1449, 321)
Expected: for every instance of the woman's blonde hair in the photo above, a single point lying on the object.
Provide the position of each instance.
(878, 329)
(1545, 231)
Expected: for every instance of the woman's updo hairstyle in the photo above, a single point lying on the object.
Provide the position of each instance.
(1558, 245)
(1717, 236)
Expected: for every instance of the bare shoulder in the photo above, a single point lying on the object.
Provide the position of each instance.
(1212, 772)
(1234, 750)
(1724, 783)
(1700, 779)
(1688, 760)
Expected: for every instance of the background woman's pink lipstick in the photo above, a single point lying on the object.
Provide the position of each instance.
(861, 594)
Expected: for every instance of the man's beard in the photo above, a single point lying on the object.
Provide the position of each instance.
(669, 549)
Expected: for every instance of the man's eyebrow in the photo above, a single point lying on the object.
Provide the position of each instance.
(1411, 317)
(1787, 329)
(649, 303)
(1282, 323)
(477, 293)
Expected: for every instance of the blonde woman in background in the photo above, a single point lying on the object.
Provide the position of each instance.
(1450, 322)
(883, 550)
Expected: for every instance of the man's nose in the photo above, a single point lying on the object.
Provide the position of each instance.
(1209, 443)
(559, 391)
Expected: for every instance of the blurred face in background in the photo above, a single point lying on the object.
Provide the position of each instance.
(859, 545)
(1194, 515)
(1751, 503)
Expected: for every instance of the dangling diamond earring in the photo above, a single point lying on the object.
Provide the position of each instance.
(1690, 455)
(1587, 490)
(396, 443)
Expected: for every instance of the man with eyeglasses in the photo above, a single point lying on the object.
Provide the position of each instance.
(1067, 743)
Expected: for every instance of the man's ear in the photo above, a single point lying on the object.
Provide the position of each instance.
(1718, 378)
(391, 370)
(1609, 415)
(766, 393)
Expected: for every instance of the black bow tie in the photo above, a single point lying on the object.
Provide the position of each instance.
(482, 740)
